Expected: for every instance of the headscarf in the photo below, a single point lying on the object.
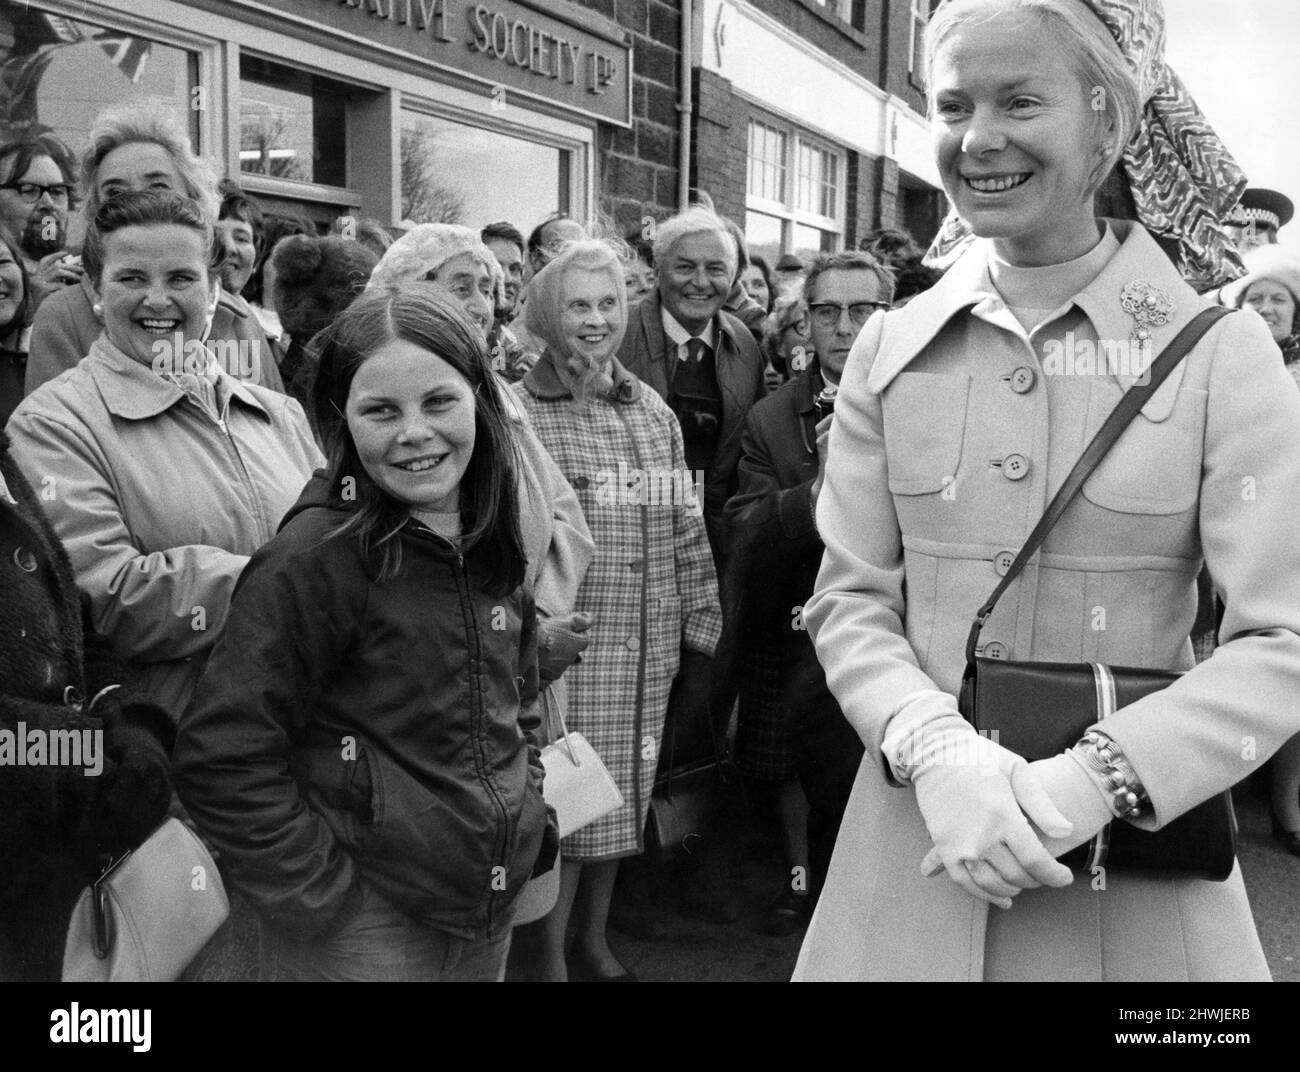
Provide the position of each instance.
(545, 308)
(1181, 176)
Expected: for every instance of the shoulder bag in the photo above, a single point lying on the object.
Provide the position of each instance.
(1039, 709)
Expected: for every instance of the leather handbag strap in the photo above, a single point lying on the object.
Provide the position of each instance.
(1120, 417)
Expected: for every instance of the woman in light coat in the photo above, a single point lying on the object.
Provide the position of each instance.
(161, 473)
(957, 419)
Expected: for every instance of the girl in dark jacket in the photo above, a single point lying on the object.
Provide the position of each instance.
(361, 748)
(100, 783)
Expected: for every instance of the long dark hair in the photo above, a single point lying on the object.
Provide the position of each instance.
(489, 504)
(27, 308)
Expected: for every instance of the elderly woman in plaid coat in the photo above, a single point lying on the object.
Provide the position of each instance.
(651, 590)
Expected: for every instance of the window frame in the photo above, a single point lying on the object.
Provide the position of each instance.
(787, 210)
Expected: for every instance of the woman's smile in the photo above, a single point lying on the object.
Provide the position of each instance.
(161, 328)
(996, 184)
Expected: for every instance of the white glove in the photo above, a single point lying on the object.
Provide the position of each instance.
(975, 796)
(1079, 796)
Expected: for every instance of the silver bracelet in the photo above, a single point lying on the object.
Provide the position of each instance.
(1104, 758)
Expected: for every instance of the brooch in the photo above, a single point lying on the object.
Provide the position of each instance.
(1149, 306)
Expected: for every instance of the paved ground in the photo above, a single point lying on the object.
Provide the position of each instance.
(736, 952)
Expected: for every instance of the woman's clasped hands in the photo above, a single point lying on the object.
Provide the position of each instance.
(998, 821)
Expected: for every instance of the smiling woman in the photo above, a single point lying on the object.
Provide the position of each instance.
(929, 392)
(158, 547)
(652, 589)
(1020, 149)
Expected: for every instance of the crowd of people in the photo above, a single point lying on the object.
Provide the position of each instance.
(331, 531)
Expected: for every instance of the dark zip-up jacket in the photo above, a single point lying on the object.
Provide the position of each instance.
(349, 730)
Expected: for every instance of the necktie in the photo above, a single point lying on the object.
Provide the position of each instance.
(694, 349)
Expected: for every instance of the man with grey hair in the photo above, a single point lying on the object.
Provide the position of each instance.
(699, 358)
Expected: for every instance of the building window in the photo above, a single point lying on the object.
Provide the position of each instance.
(292, 124)
(806, 216)
(49, 64)
(767, 147)
(444, 163)
(818, 177)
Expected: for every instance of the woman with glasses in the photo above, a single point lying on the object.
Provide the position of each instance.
(38, 178)
(786, 349)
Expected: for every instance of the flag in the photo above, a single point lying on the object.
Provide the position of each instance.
(130, 54)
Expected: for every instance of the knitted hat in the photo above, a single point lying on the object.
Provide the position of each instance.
(424, 248)
(1275, 263)
(316, 279)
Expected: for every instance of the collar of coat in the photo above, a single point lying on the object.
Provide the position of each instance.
(543, 381)
(135, 393)
(903, 333)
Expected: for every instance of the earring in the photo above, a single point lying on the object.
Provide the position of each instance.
(98, 310)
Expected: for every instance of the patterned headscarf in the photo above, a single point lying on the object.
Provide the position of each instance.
(1182, 178)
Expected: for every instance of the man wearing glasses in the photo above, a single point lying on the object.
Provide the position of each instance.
(792, 742)
(37, 191)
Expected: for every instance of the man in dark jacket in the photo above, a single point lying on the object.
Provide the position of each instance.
(705, 364)
(789, 722)
(700, 359)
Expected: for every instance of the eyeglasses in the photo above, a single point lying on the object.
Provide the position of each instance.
(827, 314)
(31, 191)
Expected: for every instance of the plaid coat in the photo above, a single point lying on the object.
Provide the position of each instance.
(651, 589)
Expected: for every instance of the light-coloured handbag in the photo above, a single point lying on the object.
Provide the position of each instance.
(578, 785)
(149, 914)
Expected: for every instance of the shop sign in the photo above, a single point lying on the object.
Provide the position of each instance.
(556, 52)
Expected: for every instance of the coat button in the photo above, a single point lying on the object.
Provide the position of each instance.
(24, 559)
(633, 643)
(1002, 562)
(1015, 467)
(1023, 379)
(994, 649)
